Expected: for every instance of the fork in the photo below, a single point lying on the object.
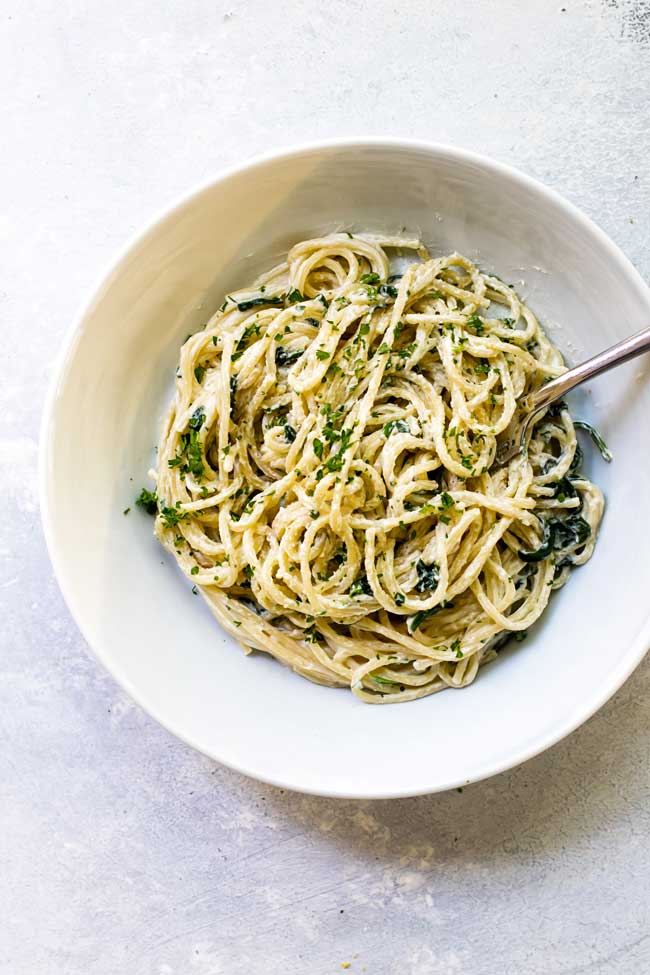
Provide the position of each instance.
(517, 435)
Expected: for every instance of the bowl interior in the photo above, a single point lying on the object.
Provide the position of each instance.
(136, 609)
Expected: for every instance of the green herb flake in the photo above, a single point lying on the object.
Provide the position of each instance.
(407, 351)
(171, 515)
(195, 456)
(395, 426)
(428, 576)
(416, 621)
(360, 587)
(286, 357)
(383, 680)
(312, 635)
(476, 323)
(387, 291)
(276, 300)
(148, 500)
(197, 419)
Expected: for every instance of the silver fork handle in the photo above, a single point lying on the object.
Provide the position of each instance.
(627, 349)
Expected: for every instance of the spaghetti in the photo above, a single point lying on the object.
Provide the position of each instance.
(325, 471)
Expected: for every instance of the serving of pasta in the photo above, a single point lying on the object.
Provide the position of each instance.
(326, 472)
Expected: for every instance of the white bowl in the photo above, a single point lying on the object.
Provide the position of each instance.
(101, 422)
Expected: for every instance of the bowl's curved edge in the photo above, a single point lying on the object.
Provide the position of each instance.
(632, 657)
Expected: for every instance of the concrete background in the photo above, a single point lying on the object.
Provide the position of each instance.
(120, 849)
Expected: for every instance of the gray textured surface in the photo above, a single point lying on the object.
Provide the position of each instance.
(120, 849)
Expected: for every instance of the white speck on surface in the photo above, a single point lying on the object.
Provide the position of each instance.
(121, 849)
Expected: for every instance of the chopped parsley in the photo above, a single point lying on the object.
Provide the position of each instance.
(172, 516)
(476, 323)
(334, 463)
(428, 576)
(289, 433)
(312, 635)
(387, 291)
(395, 426)
(360, 587)
(195, 455)
(407, 351)
(286, 357)
(197, 419)
(148, 500)
(250, 330)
